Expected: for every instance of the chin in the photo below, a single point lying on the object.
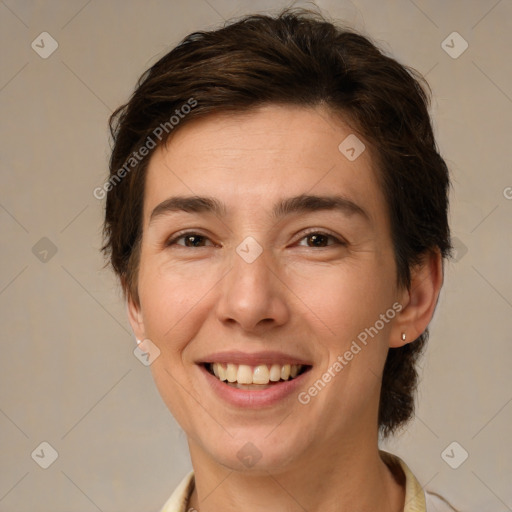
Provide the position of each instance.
(256, 450)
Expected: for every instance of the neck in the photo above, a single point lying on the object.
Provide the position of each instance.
(332, 479)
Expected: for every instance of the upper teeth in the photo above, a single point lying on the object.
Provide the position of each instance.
(262, 374)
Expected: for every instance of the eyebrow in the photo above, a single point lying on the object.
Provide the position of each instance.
(304, 203)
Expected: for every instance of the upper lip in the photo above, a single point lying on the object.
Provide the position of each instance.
(253, 359)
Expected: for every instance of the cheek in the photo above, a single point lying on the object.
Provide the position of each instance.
(349, 302)
(172, 303)
(344, 299)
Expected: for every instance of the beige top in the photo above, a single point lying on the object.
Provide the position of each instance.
(414, 494)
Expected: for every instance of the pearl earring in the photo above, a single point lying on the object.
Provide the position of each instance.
(403, 336)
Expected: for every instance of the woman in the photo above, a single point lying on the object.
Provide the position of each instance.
(277, 216)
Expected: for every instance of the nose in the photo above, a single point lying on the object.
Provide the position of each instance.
(253, 296)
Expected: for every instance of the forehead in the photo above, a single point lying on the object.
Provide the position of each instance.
(259, 157)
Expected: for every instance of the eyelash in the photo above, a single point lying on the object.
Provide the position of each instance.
(180, 236)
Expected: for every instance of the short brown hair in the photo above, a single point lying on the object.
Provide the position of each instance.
(295, 58)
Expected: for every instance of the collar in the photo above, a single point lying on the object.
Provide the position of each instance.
(414, 495)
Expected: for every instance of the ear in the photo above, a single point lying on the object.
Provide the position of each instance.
(419, 300)
(135, 317)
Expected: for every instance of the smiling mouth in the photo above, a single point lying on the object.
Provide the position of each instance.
(243, 376)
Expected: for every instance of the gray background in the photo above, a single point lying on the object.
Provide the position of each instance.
(68, 373)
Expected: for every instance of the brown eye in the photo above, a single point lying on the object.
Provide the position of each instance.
(194, 240)
(319, 239)
(189, 240)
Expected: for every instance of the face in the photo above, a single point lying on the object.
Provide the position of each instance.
(284, 265)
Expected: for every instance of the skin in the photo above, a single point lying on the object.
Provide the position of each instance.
(304, 299)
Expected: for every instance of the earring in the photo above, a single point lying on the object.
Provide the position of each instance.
(403, 336)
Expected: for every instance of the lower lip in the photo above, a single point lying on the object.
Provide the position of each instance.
(253, 398)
